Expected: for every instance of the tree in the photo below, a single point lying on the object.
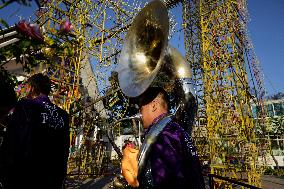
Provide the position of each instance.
(277, 96)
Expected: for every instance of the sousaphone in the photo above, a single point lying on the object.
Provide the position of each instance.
(147, 60)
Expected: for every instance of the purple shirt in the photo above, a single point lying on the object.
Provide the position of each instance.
(173, 159)
(37, 144)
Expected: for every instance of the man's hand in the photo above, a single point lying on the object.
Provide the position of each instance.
(129, 165)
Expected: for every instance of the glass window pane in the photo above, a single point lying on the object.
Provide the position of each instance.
(254, 114)
(278, 108)
(269, 110)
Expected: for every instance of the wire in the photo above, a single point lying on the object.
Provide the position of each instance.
(269, 81)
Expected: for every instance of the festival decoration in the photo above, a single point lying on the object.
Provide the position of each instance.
(31, 31)
(66, 26)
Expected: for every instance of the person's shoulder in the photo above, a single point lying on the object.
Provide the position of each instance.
(172, 132)
(173, 127)
(61, 110)
(26, 103)
(24, 106)
(171, 138)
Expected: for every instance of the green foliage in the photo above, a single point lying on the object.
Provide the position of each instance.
(276, 172)
(29, 53)
(269, 171)
(7, 77)
(18, 50)
(277, 96)
(275, 125)
(3, 23)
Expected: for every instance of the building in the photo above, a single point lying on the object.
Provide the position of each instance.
(274, 124)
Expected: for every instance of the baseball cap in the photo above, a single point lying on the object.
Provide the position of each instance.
(150, 94)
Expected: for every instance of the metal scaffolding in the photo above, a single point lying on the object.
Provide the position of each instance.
(216, 46)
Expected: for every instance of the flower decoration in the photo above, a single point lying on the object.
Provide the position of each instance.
(23, 27)
(30, 30)
(35, 32)
(66, 26)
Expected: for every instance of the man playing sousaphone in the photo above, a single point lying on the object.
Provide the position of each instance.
(167, 157)
(172, 160)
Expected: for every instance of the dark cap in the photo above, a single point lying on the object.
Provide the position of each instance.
(150, 94)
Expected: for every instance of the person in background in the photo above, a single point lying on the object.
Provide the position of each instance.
(7, 101)
(7, 98)
(37, 143)
(172, 161)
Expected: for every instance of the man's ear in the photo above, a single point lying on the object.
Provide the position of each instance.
(154, 105)
(31, 92)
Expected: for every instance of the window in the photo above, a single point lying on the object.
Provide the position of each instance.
(256, 111)
(279, 109)
(269, 110)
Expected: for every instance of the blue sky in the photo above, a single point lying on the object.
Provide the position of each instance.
(266, 28)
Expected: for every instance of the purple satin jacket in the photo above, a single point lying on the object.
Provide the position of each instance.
(173, 159)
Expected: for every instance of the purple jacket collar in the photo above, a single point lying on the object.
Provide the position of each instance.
(42, 98)
(155, 121)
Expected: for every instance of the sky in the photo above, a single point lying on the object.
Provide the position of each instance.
(266, 29)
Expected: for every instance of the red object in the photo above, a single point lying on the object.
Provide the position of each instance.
(66, 26)
(131, 145)
(23, 27)
(35, 32)
(29, 30)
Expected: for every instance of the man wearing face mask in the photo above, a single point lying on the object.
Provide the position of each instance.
(167, 157)
(37, 142)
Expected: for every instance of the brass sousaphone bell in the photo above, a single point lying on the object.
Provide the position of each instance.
(146, 59)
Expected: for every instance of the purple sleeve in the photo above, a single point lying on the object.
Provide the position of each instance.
(167, 157)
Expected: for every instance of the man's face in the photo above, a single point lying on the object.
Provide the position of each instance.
(146, 115)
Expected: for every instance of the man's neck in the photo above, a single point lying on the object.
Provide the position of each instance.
(160, 116)
(39, 95)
